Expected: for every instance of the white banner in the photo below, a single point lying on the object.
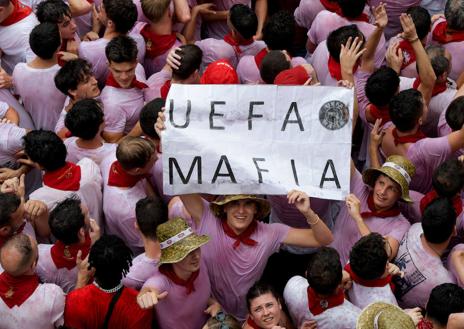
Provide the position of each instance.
(261, 139)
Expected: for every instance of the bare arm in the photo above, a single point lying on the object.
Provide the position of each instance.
(381, 20)
(457, 260)
(375, 141)
(12, 115)
(112, 137)
(261, 13)
(79, 7)
(193, 203)
(455, 321)
(182, 11)
(456, 139)
(190, 27)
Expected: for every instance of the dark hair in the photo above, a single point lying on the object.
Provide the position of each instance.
(45, 39)
(71, 74)
(4, 3)
(66, 219)
(454, 13)
(324, 272)
(406, 109)
(339, 37)
(22, 243)
(382, 85)
(149, 115)
(279, 31)
(134, 152)
(445, 299)
(84, 118)
(244, 20)
(9, 203)
(258, 289)
(45, 148)
(123, 13)
(352, 8)
(448, 178)
(455, 113)
(52, 11)
(111, 258)
(422, 21)
(368, 257)
(190, 61)
(150, 212)
(273, 63)
(440, 63)
(439, 220)
(121, 49)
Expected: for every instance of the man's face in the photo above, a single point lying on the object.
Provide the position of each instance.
(191, 263)
(240, 214)
(123, 73)
(67, 28)
(386, 193)
(87, 88)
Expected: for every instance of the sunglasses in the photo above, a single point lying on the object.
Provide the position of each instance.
(221, 317)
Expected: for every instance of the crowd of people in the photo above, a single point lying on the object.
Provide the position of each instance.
(88, 238)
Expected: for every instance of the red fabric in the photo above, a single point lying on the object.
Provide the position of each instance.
(432, 195)
(260, 56)
(379, 112)
(332, 6)
(296, 76)
(252, 324)
(219, 72)
(20, 12)
(168, 271)
(437, 89)
(157, 44)
(164, 90)
(318, 305)
(441, 34)
(243, 237)
(16, 290)
(335, 69)
(392, 212)
(407, 139)
(111, 81)
(424, 324)
(236, 44)
(120, 178)
(67, 178)
(406, 47)
(65, 255)
(382, 282)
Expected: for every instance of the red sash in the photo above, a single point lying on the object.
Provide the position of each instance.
(120, 178)
(164, 90)
(111, 81)
(332, 6)
(168, 271)
(235, 44)
(20, 12)
(382, 282)
(157, 44)
(318, 305)
(67, 178)
(424, 324)
(409, 56)
(335, 69)
(407, 139)
(16, 290)
(260, 56)
(437, 89)
(243, 237)
(441, 34)
(65, 255)
(379, 112)
(432, 195)
(392, 212)
(252, 324)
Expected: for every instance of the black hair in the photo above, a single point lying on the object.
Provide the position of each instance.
(406, 108)
(244, 20)
(273, 63)
(445, 299)
(121, 49)
(71, 74)
(440, 63)
(421, 19)
(454, 13)
(84, 118)
(45, 148)
(279, 30)
(9, 203)
(123, 13)
(66, 219)
(439, 220)
(190, 61)
(258, 289)
(455, 113)
(324, 272)
(448, 178)
(4, 3)
(149, 115)
(339, 37)
(150, 212)
(368, 257)
(382, 85)
(45, 39)
(352, 8)
(52, 11)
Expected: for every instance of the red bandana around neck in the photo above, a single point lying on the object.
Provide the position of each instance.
(438, 88)
(260, 56)
(318, 305)
(157, 44)
(252, 324)
(432, 195)
(164, 90)
(379, 112)
(243, 237)
(409, 56)
(236, 44)
(120, 178)
(332, 6)
(20, 12)
(65, 255)
(111, 81)
(381, 282)
(441, 34)
(417, 136)
(392, 212)
(67, 178)
(16, 290)
(168, 271)
(424, 324)
(335, 69)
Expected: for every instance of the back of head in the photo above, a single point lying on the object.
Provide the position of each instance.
(454, 13)
(18, 254)
(440, 63)
(352, 8)
(52, 11)
(439, 220)
(149, 115)
(324, 272)
(45, 39)
(154, 10)
(123, 13)
(190, 61)
(445, 299)
(368, 257)
(455, 114)
(339, 37)
(121, 49)
(422, 20)
(134, 152)
(279, 31)
(85, 118)
(71, 74)
(244, 20)
(45, 148)
(406, 109)
(448, 178)
(382, 85)
(150, 212)
(273, 63)
(258, 289)
(9, 203)
(66, 219)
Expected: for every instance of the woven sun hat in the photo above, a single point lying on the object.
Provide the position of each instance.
(217, 207)
(397, 168)
(384, 316)
(177, 240)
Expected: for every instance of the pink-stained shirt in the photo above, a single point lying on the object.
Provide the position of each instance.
(452, 267)
(156, 178)
(443, 129)
(179, 310)
(343, 316)
(76, 153)
(25, 120)
(10, 143)
(346, 232)
(307, 11)
(219, 29)
(155, 82)
(362, 296)
(42, 310)
(141, 270)
(42, 100)
(422, 270)
(434, 6)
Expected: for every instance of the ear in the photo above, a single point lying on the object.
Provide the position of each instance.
(73, 93)
(81, 234)
(136, 226)
(5, 231)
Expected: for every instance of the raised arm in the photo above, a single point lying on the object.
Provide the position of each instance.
(261, 13)
(381, 20)
(190, 27)
(375, 140)
(182, 11)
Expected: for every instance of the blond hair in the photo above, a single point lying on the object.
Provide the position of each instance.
(155, 9)
(134, 152)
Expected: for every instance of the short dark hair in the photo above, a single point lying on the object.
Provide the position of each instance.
(123, 13)
(454, 13)
(45, 39)
(84, 118)
(339, 37)
(440, 63)
(368, 257)
(71, 74)
(149, 115)
(244, 20)
(52, 11)
(121, 49)
(352, 8)
(279, 31)
(134, 152)
(190, 61)
(45, 148)
(448, 178)
(150, 212)
(324, 272)
(455, 113)
(439, 220)
(382, 85)
(273, 63)
(4, 3)
(445, 299)
(258, 289)
(406, 108)
(9, 203)
(422, 21)
(66, 219)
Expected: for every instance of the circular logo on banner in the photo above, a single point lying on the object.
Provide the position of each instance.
(334, 115)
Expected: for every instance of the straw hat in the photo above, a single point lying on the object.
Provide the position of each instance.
(217, 207)
(384, 316)
(397, 168)
(177, 240)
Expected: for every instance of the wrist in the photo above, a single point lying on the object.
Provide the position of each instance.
(416, 38)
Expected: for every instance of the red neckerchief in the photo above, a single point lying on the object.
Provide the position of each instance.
(424, 324)
(381, 282)
(438, 88)
(332, 6)
(408, 138)
(67, 178)
(65, 255)
(441, 34)
(392, 212)
(19, 230)
(111, 81)
(410, 57)
(318, 305)
(64, 47)
(432, 195)
(164, 90)
(157, 44)
(168, 271)
(243, 237)
(16, 290)
(379, 112)
(335, 69)
(236, 44)
(260, 56)
(120, 178)
(252, 324)
(20, 12)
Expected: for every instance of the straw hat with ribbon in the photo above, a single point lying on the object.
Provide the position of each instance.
(263, 206)
(397, 168)
(177, 240)
(384, 316)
